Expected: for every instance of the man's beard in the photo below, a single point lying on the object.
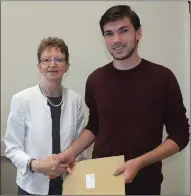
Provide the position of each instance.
(129, 54)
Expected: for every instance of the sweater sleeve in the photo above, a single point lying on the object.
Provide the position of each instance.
(93, 121)
(176, 122)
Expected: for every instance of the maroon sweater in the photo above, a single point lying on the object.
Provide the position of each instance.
(128, 109)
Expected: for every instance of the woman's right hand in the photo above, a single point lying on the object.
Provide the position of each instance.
(50, 166)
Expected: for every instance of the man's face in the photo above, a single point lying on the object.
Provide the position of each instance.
(121, 38)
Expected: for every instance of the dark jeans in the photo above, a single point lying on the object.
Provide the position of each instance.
(55, 188)
(143, 190)
(143, 187)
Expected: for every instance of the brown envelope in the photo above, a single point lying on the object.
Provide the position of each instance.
(95, 177)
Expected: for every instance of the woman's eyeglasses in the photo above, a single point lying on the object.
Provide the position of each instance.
(48, 61)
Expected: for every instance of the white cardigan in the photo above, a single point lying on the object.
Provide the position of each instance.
(29, 133)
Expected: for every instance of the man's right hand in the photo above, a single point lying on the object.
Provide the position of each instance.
(49, 166)
(69, 155)
(65, 158)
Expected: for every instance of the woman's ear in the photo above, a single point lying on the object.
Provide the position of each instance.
(67, 67)
(39, 68)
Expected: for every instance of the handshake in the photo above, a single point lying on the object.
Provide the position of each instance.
(57, 164)
(54, 165)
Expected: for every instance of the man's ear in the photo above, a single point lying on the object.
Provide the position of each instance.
(139, 33)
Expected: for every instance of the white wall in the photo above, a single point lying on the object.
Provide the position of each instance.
(165, 40)
(186, 90)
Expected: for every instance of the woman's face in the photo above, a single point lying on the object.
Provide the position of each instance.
(53, 64)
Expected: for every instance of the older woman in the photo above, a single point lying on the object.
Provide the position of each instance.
(44, 120)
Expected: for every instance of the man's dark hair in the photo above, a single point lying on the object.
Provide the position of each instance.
(119, 12)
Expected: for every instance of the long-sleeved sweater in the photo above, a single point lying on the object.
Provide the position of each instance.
(129, 108)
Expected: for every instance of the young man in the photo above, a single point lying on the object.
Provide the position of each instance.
(130, 100)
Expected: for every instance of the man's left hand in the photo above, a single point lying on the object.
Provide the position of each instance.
(130, 170)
